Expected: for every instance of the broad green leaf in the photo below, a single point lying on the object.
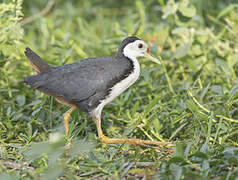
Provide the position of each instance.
(187, 9)
(217, 89)
(182, 51)
(176, 170)
(169, 9)
(21, 100)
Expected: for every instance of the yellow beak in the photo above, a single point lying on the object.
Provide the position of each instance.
(151, 57)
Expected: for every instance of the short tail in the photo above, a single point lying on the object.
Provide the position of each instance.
(37, 63)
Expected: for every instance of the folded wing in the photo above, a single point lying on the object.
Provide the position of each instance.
(80, 80)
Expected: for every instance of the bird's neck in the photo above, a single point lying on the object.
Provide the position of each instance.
(135, 72)
(131, 57)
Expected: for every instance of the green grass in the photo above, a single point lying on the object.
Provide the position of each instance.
(191, 99)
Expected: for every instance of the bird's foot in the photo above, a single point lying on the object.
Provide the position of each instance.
(107, 140)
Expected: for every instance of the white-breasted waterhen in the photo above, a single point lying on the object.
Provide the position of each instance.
(92, 83)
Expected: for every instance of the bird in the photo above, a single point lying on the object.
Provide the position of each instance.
(92, 83)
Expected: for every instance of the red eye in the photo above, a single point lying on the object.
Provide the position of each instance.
(140, 45)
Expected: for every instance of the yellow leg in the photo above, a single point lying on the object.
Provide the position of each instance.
(107, 140)
(66, 117)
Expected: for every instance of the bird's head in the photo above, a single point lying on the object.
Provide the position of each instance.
(133, 47)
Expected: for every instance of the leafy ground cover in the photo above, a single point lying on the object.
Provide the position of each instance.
(191, 99)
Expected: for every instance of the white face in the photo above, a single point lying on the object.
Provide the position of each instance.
(135, 49)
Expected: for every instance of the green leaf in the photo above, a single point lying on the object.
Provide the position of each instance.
(180, 31)
(179, 150)
(205, 165)
(21, 100)
(177, 160)
(53, 172)
(227, 10)
(217, 89)
(233, 93)
(176, 171)
(5, 176)
(81, 147)
(182, 51)
(222, 64)
(205, 148)
(187, 9)
(169, 9)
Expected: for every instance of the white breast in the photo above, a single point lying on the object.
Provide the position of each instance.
(119, 88)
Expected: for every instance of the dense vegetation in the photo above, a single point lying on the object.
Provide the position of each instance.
(191, 99)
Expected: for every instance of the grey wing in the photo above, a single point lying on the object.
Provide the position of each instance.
(77, 81)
